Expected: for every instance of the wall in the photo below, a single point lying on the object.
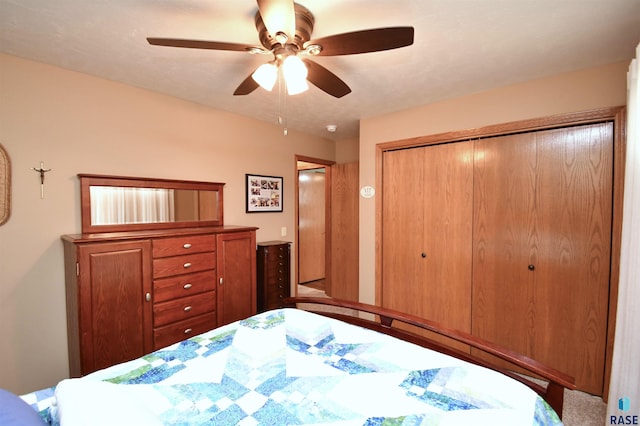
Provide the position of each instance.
(76, 123)
(347, 151)
(577, 91)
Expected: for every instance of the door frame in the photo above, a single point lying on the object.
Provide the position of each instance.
(327, 194)
(616, 115)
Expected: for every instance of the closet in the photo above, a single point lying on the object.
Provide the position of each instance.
(508, 237)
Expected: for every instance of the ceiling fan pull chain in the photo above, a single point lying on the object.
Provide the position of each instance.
(282, 104)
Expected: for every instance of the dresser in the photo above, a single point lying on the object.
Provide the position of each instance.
(137, 285)
(273, 274)
(131, 293)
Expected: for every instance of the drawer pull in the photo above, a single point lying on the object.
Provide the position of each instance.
(187, 286)
(147, 297)
(186, 245)
(187, 331)
(187, 265)
(187, 308)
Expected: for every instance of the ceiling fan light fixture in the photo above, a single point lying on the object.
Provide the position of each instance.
(295, 75)
(254, 50)
(266, 75)
(313, 49)
(281, 38)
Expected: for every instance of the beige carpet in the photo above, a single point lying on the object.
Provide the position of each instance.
(307, 291)
(583, 409)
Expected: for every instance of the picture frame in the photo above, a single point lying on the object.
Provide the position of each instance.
(263, 193)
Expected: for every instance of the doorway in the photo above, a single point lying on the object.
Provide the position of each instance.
(313, 227)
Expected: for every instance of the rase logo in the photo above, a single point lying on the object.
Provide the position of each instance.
(624, 404)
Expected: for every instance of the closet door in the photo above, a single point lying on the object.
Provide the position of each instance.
(543, 211)
(505, 240)
(426, 236)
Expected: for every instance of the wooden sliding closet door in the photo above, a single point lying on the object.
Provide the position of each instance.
(542, 241)
(426, 236)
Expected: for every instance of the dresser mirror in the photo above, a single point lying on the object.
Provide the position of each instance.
(116, 203)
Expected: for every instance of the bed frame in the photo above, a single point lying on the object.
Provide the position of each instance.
(556, 381)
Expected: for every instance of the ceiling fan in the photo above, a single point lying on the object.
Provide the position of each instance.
(284, 29)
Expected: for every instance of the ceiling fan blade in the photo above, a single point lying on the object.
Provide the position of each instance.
(326, 80)
(279, 17)
(246, 87)
(201, 44)
(365, 41)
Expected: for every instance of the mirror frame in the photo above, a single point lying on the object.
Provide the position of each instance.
(5, 186)
(88, 180)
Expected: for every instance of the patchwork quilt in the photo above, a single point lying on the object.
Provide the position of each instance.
(292, 367)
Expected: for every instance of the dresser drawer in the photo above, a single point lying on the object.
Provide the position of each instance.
(186, 307)
(176, 246)
(276, 295)
(176, 332)
(183, 285)
(277, 269)
(279, 288)
(276, 259)
(169, 266)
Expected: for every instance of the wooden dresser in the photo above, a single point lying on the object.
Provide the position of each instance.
(274, 271)
(154, 265)
(131, 293)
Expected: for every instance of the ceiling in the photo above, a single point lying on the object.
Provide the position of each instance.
(461, 47)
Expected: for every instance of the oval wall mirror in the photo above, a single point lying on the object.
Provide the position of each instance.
(5, 186)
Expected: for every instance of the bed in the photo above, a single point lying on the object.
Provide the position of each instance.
(317, 361)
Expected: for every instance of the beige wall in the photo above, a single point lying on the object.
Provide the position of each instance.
(347, 151)
(80, 124)
(578, 91)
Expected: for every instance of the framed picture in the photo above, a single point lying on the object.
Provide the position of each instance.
(264, 193)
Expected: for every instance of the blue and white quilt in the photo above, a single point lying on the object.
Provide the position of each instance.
(292, 367)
